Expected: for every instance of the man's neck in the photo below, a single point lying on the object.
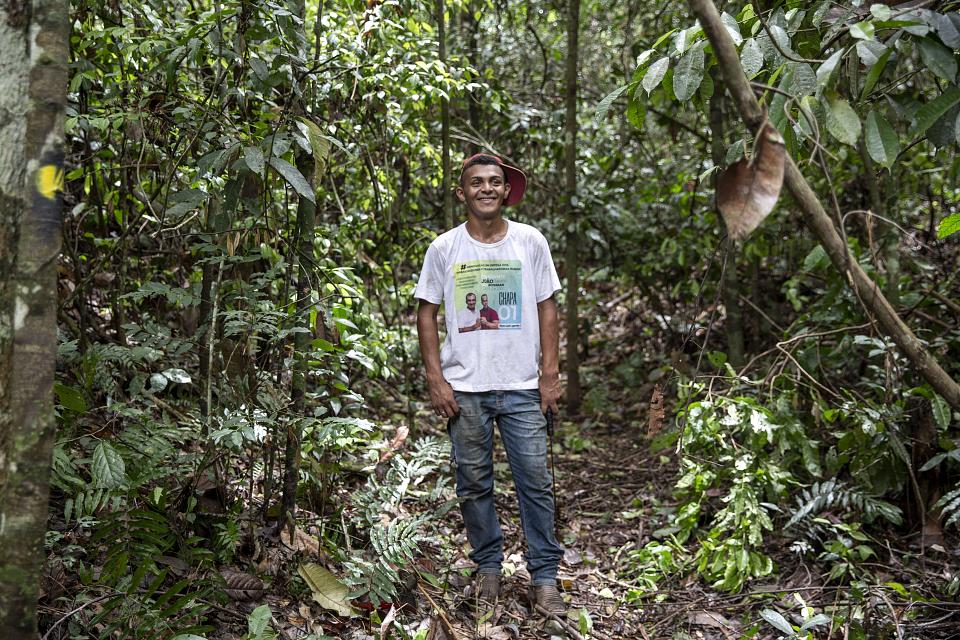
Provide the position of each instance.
(487, 231)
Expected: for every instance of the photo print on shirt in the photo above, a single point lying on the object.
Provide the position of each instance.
(488, 295)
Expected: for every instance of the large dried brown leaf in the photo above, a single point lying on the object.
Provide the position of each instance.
(748, 191)
(242, 586)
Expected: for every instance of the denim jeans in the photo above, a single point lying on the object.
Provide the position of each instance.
(523, 430)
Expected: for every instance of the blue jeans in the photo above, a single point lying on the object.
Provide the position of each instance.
(523, 430)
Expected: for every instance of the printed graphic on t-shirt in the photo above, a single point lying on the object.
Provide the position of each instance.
(487, 294)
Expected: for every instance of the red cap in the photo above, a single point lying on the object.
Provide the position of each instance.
(515, 177)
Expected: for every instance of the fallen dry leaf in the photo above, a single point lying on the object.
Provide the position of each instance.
(747, 191)
(656, 415)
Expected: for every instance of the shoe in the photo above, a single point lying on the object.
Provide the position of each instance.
(547, 597)
(486, 592)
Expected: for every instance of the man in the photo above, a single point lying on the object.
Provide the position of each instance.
(468, 319)
(479, 377)
(489, 318)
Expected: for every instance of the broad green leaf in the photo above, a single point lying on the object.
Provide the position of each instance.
(931, 112)
(843, 122)
(816, 258)
(107, 468)
(70, 398)
(730, 23)
(293, 176)
(751, 58)
(941, 410)
(949, 226)
(644, 56)
(825, 72)
(948, 28)
(258, 623)
(870, 52)
(939, 59)
(777, 621)
(803, 81)
(688, 74)
(873, 76)
(604, 105)
(636, 113)
(654, 75)
(807, 117)
(327, 590)
(862, 30)
(943, 132)
(882, 142)
(319, 147)
(253, 156)
(880, 11)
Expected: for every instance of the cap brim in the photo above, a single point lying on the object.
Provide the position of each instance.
(518, 184)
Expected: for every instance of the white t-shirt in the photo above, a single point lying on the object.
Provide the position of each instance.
(515, 273)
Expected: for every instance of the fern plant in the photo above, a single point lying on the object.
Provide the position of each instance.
(949, 506)
(395, 537)
(833, 494)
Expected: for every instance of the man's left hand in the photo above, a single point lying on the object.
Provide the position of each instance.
(550, 392)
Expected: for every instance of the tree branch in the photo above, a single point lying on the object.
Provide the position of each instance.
(816, 217)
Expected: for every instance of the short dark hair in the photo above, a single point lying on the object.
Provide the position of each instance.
(483, 160)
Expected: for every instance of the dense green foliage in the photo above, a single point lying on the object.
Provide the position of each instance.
(198, 131)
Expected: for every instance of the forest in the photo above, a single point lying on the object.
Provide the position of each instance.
(215, 420)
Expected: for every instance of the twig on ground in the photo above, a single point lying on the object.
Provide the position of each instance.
(448, 627)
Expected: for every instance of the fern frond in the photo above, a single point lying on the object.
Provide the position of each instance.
(832, 494)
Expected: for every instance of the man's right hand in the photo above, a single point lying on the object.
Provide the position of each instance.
(443, 400)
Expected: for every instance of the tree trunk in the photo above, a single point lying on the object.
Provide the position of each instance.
(33, 79)
(570, 203)
(445, 122)
(731, 282)
(816, 217)
(303, 268)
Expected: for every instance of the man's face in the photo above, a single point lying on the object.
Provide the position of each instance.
(483, 301)
(483, 190)
(471, 301)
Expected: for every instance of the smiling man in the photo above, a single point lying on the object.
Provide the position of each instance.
(509, 376)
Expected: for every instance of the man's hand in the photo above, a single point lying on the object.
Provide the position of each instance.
(442, 399)
(550, 392)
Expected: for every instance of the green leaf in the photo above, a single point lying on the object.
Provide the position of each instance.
(689, 73)
(825, 71)
(880, 11)
(941, 411)
(949, 226)
(319, 146)
(107, 467)
(931, 112)
(636, 113)
(730, 23)
(862, 30)
(818, 620)
(843, 123)
(654, 75)
(604, 105)
(258, 623)
(882, 142)
(873, 76)
(253, 156)
(70, 398)
(327, 590)
(751, 58)
(777, 621)
(939, 59)
(803, 80)
(293, 176)
(943, 132)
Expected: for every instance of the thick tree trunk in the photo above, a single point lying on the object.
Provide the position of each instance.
(33, 81)
(733, 323)
(570, 193)
(816, 217)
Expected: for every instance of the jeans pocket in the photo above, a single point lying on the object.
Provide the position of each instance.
(469, 404)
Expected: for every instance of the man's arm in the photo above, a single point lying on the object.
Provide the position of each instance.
(441, 393)
(550, 360)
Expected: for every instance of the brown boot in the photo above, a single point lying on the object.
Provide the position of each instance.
(547, 598)
(486, 592)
